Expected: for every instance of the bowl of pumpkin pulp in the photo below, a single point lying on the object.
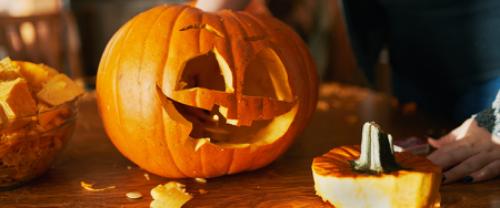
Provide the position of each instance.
(37, 117)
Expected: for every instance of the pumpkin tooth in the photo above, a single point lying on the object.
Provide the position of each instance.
(239, 122)
(233, 122)
(200, 143)
(215, 118)
(223, 111)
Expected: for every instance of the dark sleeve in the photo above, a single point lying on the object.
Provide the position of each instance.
(366, 25)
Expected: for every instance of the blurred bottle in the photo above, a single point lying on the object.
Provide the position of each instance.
(40, 31)
(98, 20)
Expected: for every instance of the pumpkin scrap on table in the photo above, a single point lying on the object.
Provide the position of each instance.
(170, 195)
(133, 195)
(200, 180)
(186, 93)
(376, 176)
(146, 175)
(90, 187)
(202, 191)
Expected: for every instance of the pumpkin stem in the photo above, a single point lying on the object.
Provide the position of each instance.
(377, 153)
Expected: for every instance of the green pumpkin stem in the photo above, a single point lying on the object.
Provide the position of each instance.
(377, 153)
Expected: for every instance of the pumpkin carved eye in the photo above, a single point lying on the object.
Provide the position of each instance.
(268, 71)
(202, 71)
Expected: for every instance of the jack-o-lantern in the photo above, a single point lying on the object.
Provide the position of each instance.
(185, 93)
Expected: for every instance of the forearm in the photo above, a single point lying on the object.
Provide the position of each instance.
(215, 5)
(490, 117)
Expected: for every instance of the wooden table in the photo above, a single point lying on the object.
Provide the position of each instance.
(287, 182)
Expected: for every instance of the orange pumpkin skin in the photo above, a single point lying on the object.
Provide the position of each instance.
(138, 82)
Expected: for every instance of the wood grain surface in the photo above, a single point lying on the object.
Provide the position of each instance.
(91, 157)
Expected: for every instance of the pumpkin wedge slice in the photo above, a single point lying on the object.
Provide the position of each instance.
(375, 176)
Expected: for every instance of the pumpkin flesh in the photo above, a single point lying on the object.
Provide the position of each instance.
(414, 184)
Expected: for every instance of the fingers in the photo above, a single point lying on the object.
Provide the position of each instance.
(216, 5)
(455, 135)
(451, 154)
(467, 167)
(442, 141)
(472, 148)
(496, 139)
(489, 171)
(492, 169)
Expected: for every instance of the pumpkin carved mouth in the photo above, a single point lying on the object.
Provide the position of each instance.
(212, 124)
(228, 113)
(214, 127)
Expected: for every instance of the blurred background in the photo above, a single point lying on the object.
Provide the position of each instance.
(70, 35)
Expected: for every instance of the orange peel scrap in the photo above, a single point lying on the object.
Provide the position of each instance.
(170, 195)
(90, 187)
(200, 180)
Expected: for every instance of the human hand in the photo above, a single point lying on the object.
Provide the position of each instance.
(469, 152)
(216, 5)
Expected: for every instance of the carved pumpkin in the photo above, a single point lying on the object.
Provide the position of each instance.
(184, 93)
(376, 177)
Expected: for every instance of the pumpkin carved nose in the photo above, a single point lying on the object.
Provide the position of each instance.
(239, 112)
